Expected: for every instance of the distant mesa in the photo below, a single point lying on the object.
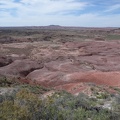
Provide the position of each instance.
(54, 26)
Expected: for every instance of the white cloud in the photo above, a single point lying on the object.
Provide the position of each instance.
(46, 12)
(43, 6)
(113, 7)
(89, 20)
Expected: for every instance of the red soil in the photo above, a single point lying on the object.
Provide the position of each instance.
(69, 66)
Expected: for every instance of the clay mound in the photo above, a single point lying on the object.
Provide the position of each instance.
(5, 61)
(46, 78)
(73, 82)
(90, 55)
(95, 62)
(69, 65)
(20, 68)
(66, 66)
(100, 78)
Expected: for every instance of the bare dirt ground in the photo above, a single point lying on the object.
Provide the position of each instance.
(61, 57)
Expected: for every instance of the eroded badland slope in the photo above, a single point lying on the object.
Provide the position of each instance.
(62, 58)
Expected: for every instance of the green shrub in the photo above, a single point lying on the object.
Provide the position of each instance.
(13, 111)
(7, 82)
(25, 104)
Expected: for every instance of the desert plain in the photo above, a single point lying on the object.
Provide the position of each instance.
(61, 58)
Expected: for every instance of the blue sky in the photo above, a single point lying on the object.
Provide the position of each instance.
(86, 13)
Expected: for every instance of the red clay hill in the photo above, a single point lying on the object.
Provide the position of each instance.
(71, 65)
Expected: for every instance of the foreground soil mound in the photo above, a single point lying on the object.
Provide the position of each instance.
(74, 81)
(5, 61)
(20, 68)
(67, 66)
(80, 62)
(101, 78)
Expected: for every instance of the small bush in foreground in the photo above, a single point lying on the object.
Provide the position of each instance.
(26, 105)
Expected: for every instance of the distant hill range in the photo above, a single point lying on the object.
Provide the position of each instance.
(61, 27)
